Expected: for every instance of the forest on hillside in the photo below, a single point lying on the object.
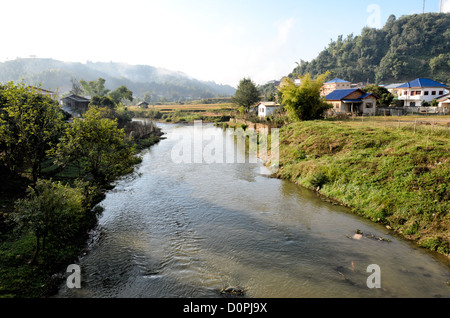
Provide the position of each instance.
(404, 49)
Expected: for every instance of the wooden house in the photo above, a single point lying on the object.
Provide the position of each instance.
(75, 104)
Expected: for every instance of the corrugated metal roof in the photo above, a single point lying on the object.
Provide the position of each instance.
(336, 80)
(421, 82)
(340, 94)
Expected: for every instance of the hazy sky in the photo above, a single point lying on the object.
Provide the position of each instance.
(218, 40)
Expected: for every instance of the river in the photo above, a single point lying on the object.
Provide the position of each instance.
(191, 229)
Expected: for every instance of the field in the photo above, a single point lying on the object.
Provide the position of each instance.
(203, 109)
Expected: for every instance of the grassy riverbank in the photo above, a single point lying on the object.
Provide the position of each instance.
(397, 174)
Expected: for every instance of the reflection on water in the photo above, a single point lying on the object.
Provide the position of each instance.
(189, 230)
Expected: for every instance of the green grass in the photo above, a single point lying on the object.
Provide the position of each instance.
(396, 176)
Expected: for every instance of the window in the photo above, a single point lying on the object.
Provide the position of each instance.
(418, 93)
(413, 93)
(412, 104)
(426, 93)
(441, 92)
(433, 93)
(369, 105)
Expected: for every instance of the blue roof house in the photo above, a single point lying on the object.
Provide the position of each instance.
(414, 93)
(353, 101)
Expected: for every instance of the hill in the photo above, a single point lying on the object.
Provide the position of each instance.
(140, 79)
(406, 48)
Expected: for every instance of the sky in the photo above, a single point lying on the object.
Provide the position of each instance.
(212, 40)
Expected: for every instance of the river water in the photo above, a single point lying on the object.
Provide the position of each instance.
(191, 229)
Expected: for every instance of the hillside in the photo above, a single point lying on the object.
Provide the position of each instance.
(406, 48)
(140, 79)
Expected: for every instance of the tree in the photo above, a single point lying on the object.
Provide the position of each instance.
(303, 102)
(30, 124)
(120, 94)
(76, 87)
(93, 88)
(246, 95)
(102, 101)
(385, 97)
(98, 146)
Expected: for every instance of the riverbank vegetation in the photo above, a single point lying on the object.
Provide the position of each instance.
(54, 171)
(395, 175)
(181, 113)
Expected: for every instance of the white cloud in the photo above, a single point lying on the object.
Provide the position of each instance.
(446, 6)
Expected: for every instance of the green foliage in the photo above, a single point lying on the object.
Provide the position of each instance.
(385, 97)
(303, 102)
(30, 124)
(97, 145)
(120, 94)
(402, 50)
(53, 212)
(94, 88)
(102, 101)
(246, 95)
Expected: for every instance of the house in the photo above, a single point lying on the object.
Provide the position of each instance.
(266, 109)
(392, 87)
(353, 100)
(333, 85)
(143, 105)
(444, 103)
(75, 104)
(51, 94)
(414, 93)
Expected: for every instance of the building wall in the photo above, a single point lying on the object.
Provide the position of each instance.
(415, 96)
(369, 106)
(328, 88)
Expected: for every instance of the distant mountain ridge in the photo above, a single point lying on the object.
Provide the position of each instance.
(140, 79)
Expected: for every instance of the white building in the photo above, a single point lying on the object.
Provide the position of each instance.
(444, 102)
(414, 93)
(267, 108)
(333, 85)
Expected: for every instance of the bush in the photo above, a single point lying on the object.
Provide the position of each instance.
(54, 213)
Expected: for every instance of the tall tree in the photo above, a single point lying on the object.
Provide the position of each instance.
(246, 95)
(303, 102)
(76, 87)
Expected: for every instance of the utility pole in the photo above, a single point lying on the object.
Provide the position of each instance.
(440, 7)
(423, 11)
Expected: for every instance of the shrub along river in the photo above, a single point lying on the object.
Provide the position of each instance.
(192, 229)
